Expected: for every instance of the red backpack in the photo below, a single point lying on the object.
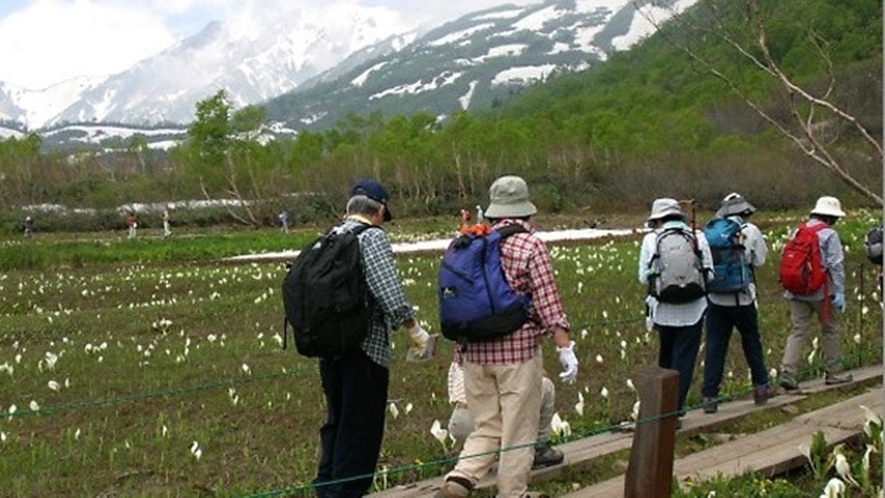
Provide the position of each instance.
(801, 268)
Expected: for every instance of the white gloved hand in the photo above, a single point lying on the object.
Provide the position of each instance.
(569, 363)
(419, 338)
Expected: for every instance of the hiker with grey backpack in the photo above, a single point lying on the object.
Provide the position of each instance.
(675, 262)
(738, 247)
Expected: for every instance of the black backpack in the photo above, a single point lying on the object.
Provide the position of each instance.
(326, 297)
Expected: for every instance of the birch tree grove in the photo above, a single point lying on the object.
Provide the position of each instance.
(815, 116)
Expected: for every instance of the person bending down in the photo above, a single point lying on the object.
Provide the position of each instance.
(461, 422)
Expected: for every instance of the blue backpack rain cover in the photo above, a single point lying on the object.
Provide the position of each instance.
(475, 301)
(731, 269)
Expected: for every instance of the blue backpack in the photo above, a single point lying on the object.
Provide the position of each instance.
(476, 302)
(731, 269)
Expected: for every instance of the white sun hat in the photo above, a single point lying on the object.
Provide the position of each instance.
(828, 206)
(661, 208)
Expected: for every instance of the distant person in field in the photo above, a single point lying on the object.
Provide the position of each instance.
(675, 252)
(461, 422)
(132, 221)
(821, 303)
(167, 224)
(29, 226)
(465, 217)
(733, 303)
(283, 220)
(480, 215)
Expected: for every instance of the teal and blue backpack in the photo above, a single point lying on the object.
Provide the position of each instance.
(731, 269)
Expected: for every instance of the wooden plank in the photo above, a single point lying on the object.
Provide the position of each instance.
(769, 452)
(583, 452)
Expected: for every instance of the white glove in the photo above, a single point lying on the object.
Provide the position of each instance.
(419, 338)
(569, 363)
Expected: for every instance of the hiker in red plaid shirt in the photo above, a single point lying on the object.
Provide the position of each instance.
(502, 376)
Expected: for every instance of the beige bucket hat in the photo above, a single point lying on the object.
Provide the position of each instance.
(509, 198)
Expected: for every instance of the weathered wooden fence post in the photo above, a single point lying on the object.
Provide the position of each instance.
(650, 474)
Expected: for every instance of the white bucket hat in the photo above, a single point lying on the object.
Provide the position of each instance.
(733, 204)
(661, 208)
(509, 198)
(828, 206)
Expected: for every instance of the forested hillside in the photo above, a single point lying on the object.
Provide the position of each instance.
(653, 121)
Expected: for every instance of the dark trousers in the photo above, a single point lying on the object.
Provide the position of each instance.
(679, 351)
(356, 395)
(721, 320)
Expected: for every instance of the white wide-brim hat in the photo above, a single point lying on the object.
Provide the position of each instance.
(828, 206)
(661, 208)
(509, 198)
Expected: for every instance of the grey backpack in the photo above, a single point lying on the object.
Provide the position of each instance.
(677, 274)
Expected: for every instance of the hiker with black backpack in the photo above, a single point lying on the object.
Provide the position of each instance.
(812, 271)
(738, 247)
(502, 372)
(355, 378)
(675, 262)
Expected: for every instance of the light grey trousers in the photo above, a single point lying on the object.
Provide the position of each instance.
(801, 314)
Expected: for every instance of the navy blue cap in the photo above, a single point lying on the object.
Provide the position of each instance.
(373, 190)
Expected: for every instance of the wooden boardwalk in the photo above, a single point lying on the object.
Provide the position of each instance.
(770, 452)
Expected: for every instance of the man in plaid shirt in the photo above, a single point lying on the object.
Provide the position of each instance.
(355, 385)
(502, 376)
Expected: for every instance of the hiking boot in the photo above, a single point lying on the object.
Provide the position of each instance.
(454, 487)
(834, 378)
(546, 455)
(762, 394)
(788, 382)
(711, 405)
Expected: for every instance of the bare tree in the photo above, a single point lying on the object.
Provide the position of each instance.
(815, 123)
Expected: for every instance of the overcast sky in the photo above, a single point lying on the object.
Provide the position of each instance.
(43, 42)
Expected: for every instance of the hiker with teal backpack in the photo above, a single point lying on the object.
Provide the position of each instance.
(814, 245)
(738, 247)
(675, 262)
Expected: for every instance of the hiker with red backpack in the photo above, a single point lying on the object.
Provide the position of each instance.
(738, 247)
(812, 272)
(675, 262)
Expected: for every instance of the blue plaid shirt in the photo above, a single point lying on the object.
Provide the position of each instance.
(390, 306)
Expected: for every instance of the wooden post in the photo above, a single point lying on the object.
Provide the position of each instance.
(650, 474)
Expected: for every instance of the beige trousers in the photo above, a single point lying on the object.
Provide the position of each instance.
(461, 422)
(801, 313)
(500, 398)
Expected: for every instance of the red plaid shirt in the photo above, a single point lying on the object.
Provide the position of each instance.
(528, 269)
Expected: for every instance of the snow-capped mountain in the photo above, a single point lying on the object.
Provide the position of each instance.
(312, 74)
(478, 60)
(254, 58)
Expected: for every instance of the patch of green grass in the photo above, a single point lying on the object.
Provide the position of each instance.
(137, 353)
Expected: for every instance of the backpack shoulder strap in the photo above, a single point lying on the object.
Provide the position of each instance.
(509, 230)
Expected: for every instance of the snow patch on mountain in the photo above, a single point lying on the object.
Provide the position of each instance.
(523, 74)
(446, 78)
(464, 100)
(359, 80)
(459, 35)
(505, 14)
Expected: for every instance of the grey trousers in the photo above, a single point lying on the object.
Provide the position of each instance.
(801, 313)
